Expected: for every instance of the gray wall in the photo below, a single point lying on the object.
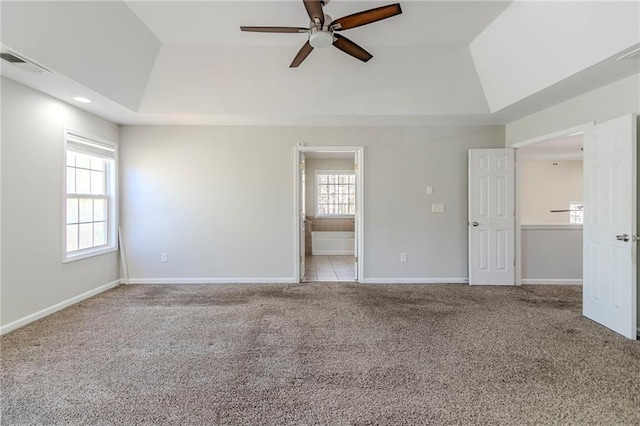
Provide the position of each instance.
(33, 275)
(551, 254)
(219, 200)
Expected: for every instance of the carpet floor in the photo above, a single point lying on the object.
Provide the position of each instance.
(328, 353)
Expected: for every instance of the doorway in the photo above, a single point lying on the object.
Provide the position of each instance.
(329, 215)
(549, 181)
(609, 253)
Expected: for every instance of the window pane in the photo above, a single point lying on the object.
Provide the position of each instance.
(99, 234)
(83, 161)
(343, 209)
(71, 158)
(352, 179)
(322, 209)
(72, 210)
(97, 163)
(72, 238)
(332, 178)
(323, 199)
(71, 180)
(323, 189)
(99, 210)
(86, 235)
(83, 181)
(322, 179)
(86, 210)
(97, 183)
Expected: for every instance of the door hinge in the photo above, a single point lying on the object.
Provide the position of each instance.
(356, 259)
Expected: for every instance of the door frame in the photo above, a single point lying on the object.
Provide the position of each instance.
(359, 230)
(518, 231)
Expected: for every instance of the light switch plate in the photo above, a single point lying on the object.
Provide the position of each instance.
(437, 208)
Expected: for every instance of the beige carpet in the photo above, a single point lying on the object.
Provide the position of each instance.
(321, 354)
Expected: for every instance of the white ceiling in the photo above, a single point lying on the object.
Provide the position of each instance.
(168, 62)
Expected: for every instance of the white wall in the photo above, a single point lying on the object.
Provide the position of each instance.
(219, 200)
(605, 103)
(533, 45)
(321, 164)
(33, 276)
(545, 186)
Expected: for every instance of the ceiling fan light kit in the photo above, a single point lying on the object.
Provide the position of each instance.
(321, 29)
(320, 38)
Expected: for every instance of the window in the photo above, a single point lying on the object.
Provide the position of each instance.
(335, 193)
(90, 197)
(576, 212)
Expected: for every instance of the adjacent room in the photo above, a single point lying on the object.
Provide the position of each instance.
(319, 212)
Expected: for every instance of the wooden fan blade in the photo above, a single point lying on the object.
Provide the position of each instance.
(366, 17)
(275, 29)
(302, 55)
(350, 48)
(314, 10)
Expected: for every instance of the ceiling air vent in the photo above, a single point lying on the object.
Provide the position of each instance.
(22, 63)
(634, 54)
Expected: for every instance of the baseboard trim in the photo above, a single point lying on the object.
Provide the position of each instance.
(415, 281)
(57, 307)
(547, 281)
(332, 252)
(288, 280)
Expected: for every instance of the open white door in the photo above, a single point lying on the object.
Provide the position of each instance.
(491, 216)
(356, 220)
(610, 225)
(302, 215)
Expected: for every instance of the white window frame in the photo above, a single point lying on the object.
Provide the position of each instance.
(573, 205)
(316, 183)
(74, 137)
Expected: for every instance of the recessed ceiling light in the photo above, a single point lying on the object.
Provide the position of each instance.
(82, 100)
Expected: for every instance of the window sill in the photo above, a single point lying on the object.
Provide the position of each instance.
(336, 216)
(85, 254)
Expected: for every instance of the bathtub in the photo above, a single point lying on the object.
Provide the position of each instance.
(332, 243)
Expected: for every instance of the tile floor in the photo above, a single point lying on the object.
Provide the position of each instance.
(329, 268)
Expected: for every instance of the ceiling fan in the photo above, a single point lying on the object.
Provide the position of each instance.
(321, 31)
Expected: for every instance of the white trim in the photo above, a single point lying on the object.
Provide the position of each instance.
(288, 280)
(563, 227)
(415, 281)
(332, 252)
(57, 307)
(359, 236)
(554, 135)
(551, 281)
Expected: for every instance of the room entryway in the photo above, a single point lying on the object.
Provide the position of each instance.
(329, 189)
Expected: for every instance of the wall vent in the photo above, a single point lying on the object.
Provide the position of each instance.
(22, 63)
(634, 54)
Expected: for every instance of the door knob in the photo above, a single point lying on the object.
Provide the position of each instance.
(475, 224)
(623, 237)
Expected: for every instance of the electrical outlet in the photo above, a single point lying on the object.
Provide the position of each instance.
(164, 257)
(429, 190)
(403, 257)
